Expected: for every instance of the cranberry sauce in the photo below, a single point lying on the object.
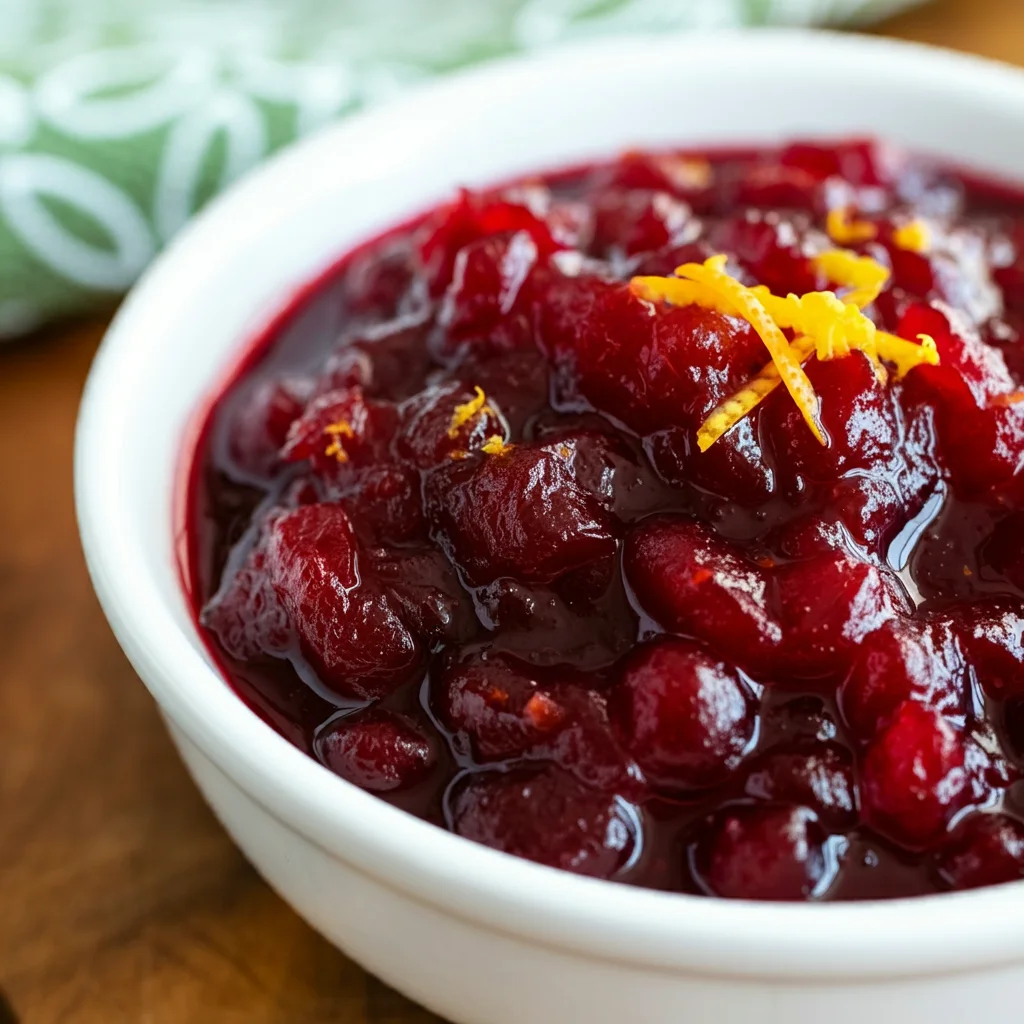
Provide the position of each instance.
(451, 532)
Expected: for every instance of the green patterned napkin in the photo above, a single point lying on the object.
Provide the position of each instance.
(120, 118)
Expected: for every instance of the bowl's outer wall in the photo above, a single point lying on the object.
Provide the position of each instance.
(481, 937)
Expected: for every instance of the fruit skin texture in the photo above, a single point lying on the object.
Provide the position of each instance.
(804, 619)
(772, 852)
(987, 849)
(545, 816)
(913, 778)
(917, 659)
(500, 710)
(522, 513)
(379, 752)
(345, 626)
(686, 716)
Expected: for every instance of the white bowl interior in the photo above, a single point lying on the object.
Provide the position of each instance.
(230, 271)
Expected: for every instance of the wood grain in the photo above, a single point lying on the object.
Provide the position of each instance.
(120, 897)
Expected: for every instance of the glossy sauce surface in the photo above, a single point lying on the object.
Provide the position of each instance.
(450, 532)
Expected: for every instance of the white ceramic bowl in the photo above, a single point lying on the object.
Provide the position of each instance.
(478, 936)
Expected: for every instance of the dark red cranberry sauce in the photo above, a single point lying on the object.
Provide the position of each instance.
(452, 536)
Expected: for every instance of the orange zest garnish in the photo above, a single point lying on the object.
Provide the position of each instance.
(914, 236)
(824, 324)
(495, 445)
(701, 576)
(846, 230)
(467, 411)
(712, 275)
(336, 431)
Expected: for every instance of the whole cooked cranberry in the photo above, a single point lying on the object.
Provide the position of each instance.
(861, 162)
(986, 849)
(692, 582)
(685, 716)
(992, 635)
(501, 710)
(917, 659)
(260, 424)
(859, 418)
(427, 437)
(913, 778)
(348, 628)
(981, 427)
(520, 512)
(815, 775)
(378, 750)
(546, 816)
(754, 852)
(379, 279)
(826, 607)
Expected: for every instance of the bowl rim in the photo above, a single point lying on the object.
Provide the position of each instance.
(945, 933)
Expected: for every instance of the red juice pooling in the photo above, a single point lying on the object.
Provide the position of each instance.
(661, 521)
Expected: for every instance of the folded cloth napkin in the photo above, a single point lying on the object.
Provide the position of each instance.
(120, 118)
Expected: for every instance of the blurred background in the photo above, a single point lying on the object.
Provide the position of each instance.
(120, 897)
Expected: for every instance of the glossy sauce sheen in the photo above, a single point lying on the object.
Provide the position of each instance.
(772, 670)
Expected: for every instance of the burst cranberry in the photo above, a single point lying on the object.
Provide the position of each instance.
(384, 505)
(347, 628)
(519, 513)
(917, 659)
(813, 774)
(913, 779)
(488, 278)
(987, 849)
(548, 817)
(762, 853)
(502, 711)
(470, 219)
(340, 430)
(425, 591)
(686, 717)
(378, 751)
(627, 223)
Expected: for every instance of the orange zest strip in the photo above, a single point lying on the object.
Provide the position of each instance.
(915, 236)
(861, 274)
(712, 274)
(824, 324)
(336, 431)
(732, 410)
(846, 230)
(495, 445)
(905, 355)
(467, 411)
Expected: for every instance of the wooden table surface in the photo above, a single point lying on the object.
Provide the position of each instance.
(120, 897)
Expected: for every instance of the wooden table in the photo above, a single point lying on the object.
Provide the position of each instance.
(120, 897)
